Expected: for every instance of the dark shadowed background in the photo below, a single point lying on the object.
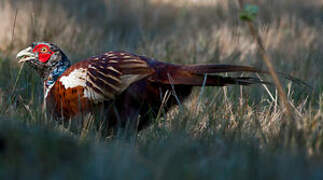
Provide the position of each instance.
(227, 133)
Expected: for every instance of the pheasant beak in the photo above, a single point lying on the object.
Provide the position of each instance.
(25, 55)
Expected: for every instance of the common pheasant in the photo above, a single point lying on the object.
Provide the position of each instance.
(127, 87)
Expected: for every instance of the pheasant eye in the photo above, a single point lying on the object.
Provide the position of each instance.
(43, 50)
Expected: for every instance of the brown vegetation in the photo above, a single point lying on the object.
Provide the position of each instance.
(184, 32)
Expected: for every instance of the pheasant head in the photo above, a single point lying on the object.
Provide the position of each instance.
(46, 58)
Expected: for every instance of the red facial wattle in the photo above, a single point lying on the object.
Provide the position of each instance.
(44, 52)
(43, 57)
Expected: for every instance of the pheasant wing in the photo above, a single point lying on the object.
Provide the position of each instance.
(111, 73)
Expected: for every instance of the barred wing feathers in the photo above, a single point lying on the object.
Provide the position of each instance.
(111, 73)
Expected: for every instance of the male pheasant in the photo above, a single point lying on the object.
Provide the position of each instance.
(127, 87)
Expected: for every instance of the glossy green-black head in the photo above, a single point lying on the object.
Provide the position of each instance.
(44, 57)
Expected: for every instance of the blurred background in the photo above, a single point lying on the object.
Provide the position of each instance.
(184, 31)
(228, 133)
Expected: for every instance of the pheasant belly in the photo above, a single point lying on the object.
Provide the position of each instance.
(67, 102)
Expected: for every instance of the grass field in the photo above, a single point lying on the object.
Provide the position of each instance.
(219, 133)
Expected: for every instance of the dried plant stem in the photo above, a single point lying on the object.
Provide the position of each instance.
(22, 66)
(164, 101)
(14, 25)
(17, 79)
(269, 65)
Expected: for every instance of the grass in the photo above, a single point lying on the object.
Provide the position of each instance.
(227, 133)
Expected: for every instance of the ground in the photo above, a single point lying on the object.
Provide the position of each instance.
(227, 133)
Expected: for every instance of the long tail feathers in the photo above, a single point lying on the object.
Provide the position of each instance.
(198, 75)
(216, 80)
(219, 68)
(205, 74)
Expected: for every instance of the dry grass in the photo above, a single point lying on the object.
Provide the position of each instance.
(226, 132)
